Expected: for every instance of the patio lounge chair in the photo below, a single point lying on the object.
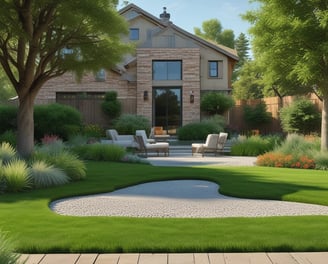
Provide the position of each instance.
(221, 142)
(143, 134)
(210, 145)
(122, 140)
(145, 147)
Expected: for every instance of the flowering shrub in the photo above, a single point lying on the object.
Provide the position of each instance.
(49, 139)
(273, 159)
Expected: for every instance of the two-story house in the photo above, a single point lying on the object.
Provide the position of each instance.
(163, 80)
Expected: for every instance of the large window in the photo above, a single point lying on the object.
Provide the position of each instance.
(134, 33)
(215, 69)
(167, 70)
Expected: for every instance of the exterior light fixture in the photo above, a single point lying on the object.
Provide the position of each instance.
(145, 95)
(192, 97)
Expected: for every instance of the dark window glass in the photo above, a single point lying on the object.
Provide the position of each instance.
(167, 70)
(134, 33)
(213, 69)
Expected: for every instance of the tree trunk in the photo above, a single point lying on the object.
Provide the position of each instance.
(25, 126)
(324, 124)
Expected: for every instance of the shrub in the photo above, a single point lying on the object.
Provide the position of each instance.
(8, 118)
(200, 130)
(7, 255)
(273, 159)
(94, 131)
(60, 120)
(216, 103)
(7, 152)
(44, 175)
(257, 115)
(299, 145)
(70, 164)
(300, 117)
(321, 160)
(8, 136)
(111, 106)
(128, 124)
(254, 145)
(16, 175)
(100, 152)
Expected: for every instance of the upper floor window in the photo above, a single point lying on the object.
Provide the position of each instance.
(134, 33)
(167, 70)
(215, 69)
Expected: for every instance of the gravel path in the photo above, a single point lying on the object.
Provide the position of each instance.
(182, 198)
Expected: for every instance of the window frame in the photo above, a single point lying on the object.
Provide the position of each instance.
(210, 69)
(134, 34)
(168, 70)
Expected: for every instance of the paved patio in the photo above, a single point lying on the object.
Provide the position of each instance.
(189, 258)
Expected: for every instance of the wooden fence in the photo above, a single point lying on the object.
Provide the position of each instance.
(274, 104)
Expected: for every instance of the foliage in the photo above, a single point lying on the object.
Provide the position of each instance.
(127, 124)
(254, 145)
(44, 175)
(7, 254)
(131, 158)
(212, 30)
(249, 84)
(100, 152)
(8, 136)
(216, 103)
(292, 66)
(200, 130)
(111, 106)
(301, 116)
(275, 159)
(44, 39)
(16, 175)
(56, 119)
(7, 152)
(242, 47)
(94, 131)
(321, 160)
(257, 115)
(8, 118)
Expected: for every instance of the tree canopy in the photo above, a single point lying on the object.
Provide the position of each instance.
(42, 39)
(212, 30)
(290, 37)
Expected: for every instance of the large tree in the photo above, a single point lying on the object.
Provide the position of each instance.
(43, 39)
(291, 38)
(212, 30)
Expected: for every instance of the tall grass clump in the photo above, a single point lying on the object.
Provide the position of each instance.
(8, 136)
(16, 175)
(7, 152)
(298, 145)
(321, 160)
(44, 175)
(254, 145)
(100, 152)
(128, 124)
(70, 164)
(7, 255)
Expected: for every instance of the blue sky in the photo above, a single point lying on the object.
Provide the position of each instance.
(188, 14)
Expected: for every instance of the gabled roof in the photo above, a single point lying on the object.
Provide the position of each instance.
(232, 53)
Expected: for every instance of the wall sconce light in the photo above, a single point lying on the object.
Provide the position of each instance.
(192, 97)
(145, 95)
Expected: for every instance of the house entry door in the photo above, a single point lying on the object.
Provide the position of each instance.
(167, 108)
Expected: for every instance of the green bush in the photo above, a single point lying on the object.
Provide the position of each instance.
(216, 103)
(128, 124)
(94, 131)
(56, 119)
(298, 145)
(44, 175)
(200, 130)
(7, 254)
(321, 160)
(300, 117)
(257, 115)
(254, 145)
(100, 152)
(8, 136)
(8, 118)
(111, 106)
(7, 152)
(16, 175)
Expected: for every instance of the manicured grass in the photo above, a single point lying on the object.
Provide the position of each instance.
(37, 229)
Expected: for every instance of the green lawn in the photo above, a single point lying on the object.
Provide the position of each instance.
(37, 229)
